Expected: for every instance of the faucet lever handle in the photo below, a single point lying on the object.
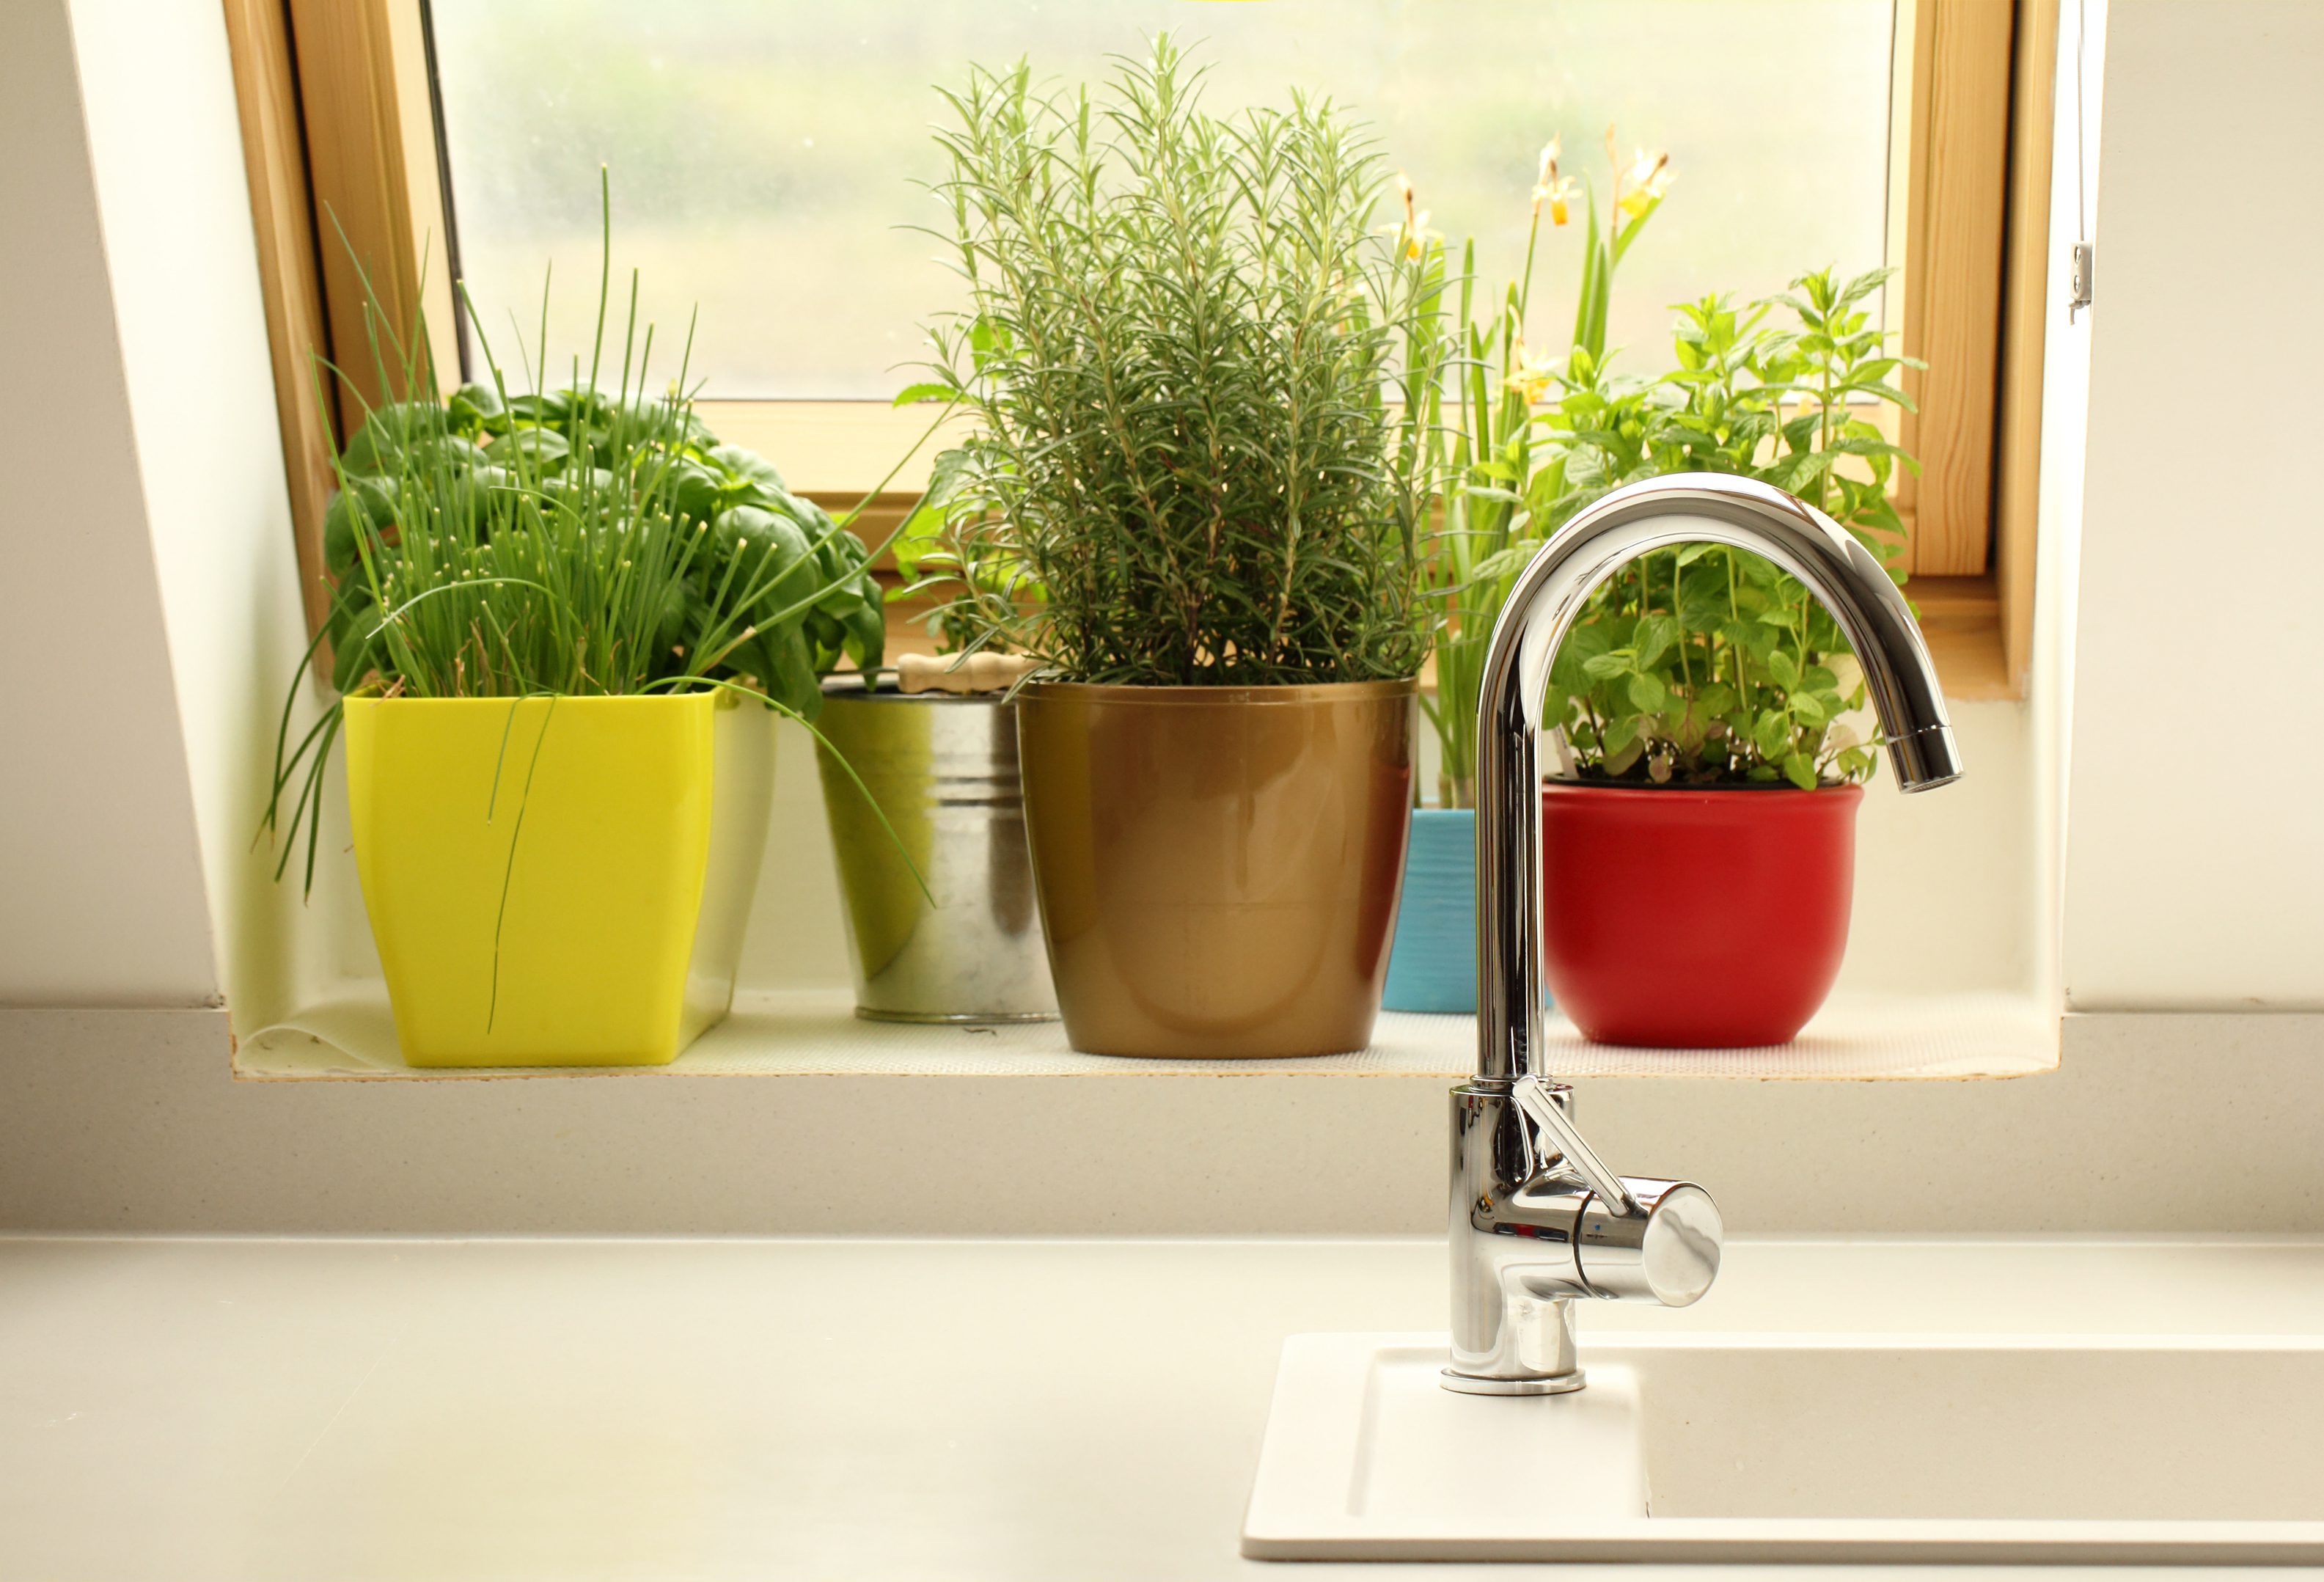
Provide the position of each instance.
(1534, 1097)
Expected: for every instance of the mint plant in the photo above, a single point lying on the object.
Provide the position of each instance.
(1703, 665)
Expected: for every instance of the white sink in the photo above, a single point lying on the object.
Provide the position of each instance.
(1757, 1447)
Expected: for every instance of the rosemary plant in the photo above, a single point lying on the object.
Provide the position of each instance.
(1181, 348)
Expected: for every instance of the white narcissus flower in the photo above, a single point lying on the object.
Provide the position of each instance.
(1415, 230)
(1558, 196)
(1534, 377)
(1643, 185)
(1550, 188)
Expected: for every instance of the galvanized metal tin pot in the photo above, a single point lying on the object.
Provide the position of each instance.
(1218, 866)
(944, 771)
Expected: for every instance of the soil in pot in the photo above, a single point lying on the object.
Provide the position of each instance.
(1689, 917)
(1217, 867)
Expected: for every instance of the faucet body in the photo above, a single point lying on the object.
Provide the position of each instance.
(1537, 1220)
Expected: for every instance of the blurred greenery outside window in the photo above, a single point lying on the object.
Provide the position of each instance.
(768, 157)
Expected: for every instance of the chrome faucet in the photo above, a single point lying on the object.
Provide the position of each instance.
(1538, 1219)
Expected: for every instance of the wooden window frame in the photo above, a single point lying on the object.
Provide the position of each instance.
(340, 133)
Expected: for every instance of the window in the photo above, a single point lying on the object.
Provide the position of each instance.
(764, 155)
(769, 160)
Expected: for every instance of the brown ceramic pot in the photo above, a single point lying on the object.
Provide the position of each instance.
(1217, 866)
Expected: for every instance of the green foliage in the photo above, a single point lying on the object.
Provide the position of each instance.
(1180, 351)
(576, 541)
(1496, 479)
(943, 549)
(1697, 665)
(1701, 664)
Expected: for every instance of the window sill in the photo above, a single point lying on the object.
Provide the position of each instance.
(813, 1033)
(1961, 616)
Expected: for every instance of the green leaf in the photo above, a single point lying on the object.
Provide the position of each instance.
(697, 489)
(750, 465)
(925, 391)
(1605, 667)
(771, 558)
(789, 677)
(1582, 644)
(352, 615)
(474, 407)
(1654, 633)
(368, 499)
(390, 432)
(544, 448)
(1784, 669)
(1646, 693)
(1799, 771)
(857, 606)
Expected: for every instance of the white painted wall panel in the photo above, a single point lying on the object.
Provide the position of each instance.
(101, 896)
(175, 206)
(2195, 852)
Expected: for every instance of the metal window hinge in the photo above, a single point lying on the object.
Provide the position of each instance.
(2086, 254)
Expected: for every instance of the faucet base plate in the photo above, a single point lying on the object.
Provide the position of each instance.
(1477, 1385)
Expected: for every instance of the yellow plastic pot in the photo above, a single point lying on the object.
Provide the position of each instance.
(558, 882)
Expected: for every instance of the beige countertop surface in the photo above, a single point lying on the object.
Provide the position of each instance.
(791, 1409)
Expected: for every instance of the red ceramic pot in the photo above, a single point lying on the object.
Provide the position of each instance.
(1694, 919)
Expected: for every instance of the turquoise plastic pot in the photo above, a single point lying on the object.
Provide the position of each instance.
(1432, 965)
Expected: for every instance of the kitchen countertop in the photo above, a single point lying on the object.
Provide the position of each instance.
(787, 1409)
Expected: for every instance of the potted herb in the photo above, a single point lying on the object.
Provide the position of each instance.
(1500, 492)
(1698, 841)
(1180, 346)
(547, 609)
(935, 740)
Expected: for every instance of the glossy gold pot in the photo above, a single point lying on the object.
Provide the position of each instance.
(1217, 866)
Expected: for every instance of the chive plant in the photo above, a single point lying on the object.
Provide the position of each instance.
(593, 540)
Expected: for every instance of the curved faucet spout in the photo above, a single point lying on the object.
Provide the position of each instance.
(1682, 508)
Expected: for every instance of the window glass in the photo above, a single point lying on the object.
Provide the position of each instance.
(766, 156)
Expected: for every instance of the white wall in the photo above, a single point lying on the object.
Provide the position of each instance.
(165, 147)
(2195, 863)
(101, 895)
